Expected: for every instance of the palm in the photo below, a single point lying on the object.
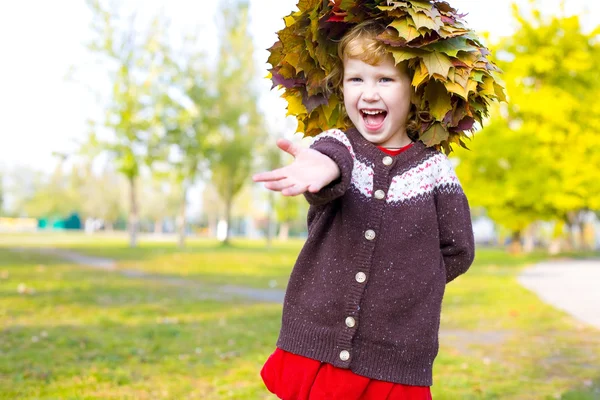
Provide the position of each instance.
(310, 171)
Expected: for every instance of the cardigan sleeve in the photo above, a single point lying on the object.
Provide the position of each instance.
(329, 144)
(457, 243)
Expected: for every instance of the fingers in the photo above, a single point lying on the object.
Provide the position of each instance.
(275, 175)
(288, 147)
(294, 190)
(314, 188)
(279, 185)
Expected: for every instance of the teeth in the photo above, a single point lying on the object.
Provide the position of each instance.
(369, 112)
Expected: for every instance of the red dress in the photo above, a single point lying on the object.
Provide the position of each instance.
(294, 377)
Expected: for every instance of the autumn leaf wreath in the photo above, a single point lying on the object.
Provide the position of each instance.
(453, 81)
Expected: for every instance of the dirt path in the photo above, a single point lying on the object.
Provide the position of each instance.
(571, 286)
(219, 292)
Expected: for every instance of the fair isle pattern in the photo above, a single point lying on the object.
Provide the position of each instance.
(435, 173)
(362, 173)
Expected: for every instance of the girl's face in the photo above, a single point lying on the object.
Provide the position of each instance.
(377, 100)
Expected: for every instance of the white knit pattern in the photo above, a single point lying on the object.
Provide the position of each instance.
(434, 173)
(362, 173)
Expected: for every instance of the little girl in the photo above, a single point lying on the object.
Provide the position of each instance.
(388, 227)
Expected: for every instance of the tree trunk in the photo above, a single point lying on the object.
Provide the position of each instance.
(158, 226)
(228, 204)
(529, 238)
(284, 231)
(133, 213)
(181, 221)
(515, 244)
(213, 220)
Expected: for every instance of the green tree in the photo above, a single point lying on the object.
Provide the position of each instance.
(134, 63)
(236, 106)
(526, 165)
(163, 199)
(188, 115)
(53, 196)
(102, 195)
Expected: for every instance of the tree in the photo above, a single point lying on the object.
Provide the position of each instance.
(525, 165)
(102, 195)
(134, 65)
(189, 119)
(54, 196)
(240, 122)
(163, 199)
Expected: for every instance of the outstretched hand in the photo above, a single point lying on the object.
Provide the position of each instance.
(310, 172)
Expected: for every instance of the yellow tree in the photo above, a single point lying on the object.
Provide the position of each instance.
(527, 165)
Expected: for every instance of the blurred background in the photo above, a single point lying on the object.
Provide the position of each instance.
(138, 259)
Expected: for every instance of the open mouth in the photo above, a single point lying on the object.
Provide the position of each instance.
(373, 119)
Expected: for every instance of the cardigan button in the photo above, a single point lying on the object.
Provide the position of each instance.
(360, 277)
(370, 234)
(350, 322)
(379, 194)
(387, 160)
(344, 355)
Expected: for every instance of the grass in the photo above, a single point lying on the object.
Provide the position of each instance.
(244, 263)
(76, 333)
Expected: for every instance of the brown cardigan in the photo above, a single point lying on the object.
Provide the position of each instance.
(383, 241)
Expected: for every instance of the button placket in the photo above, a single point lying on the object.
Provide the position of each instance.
(352, 312)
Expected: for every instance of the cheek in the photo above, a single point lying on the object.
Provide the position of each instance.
(350, 98)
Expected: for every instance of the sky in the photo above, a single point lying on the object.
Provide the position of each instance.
(42, 112)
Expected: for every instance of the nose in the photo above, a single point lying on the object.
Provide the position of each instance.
(370, 93)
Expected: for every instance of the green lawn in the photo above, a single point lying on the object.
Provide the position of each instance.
(77, 333)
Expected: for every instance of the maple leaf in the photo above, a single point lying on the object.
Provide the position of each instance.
(439, 99)
(437, 63)
(405, 30)
(435, 135)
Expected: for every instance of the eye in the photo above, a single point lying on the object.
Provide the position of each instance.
(354, 79)
(386, 80)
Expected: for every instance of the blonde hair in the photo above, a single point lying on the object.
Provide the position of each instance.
(361, 43)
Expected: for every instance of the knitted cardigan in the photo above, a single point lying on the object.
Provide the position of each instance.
(383, 241)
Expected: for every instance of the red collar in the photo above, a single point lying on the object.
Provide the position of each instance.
(395, 152)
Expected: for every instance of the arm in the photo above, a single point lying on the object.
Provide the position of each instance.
(340, 155)
(457, 244)
(322, 172)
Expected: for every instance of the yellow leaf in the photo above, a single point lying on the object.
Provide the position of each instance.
(439, 99)
(487, 87)
(295, 106)
(434, 135)
(405, 31)
(499, 92)
(300, 126)
(455, 88)
(329, 107)
(406, 54)
(289, 21)
(437, 63)
(422, 20)
(420, 75)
